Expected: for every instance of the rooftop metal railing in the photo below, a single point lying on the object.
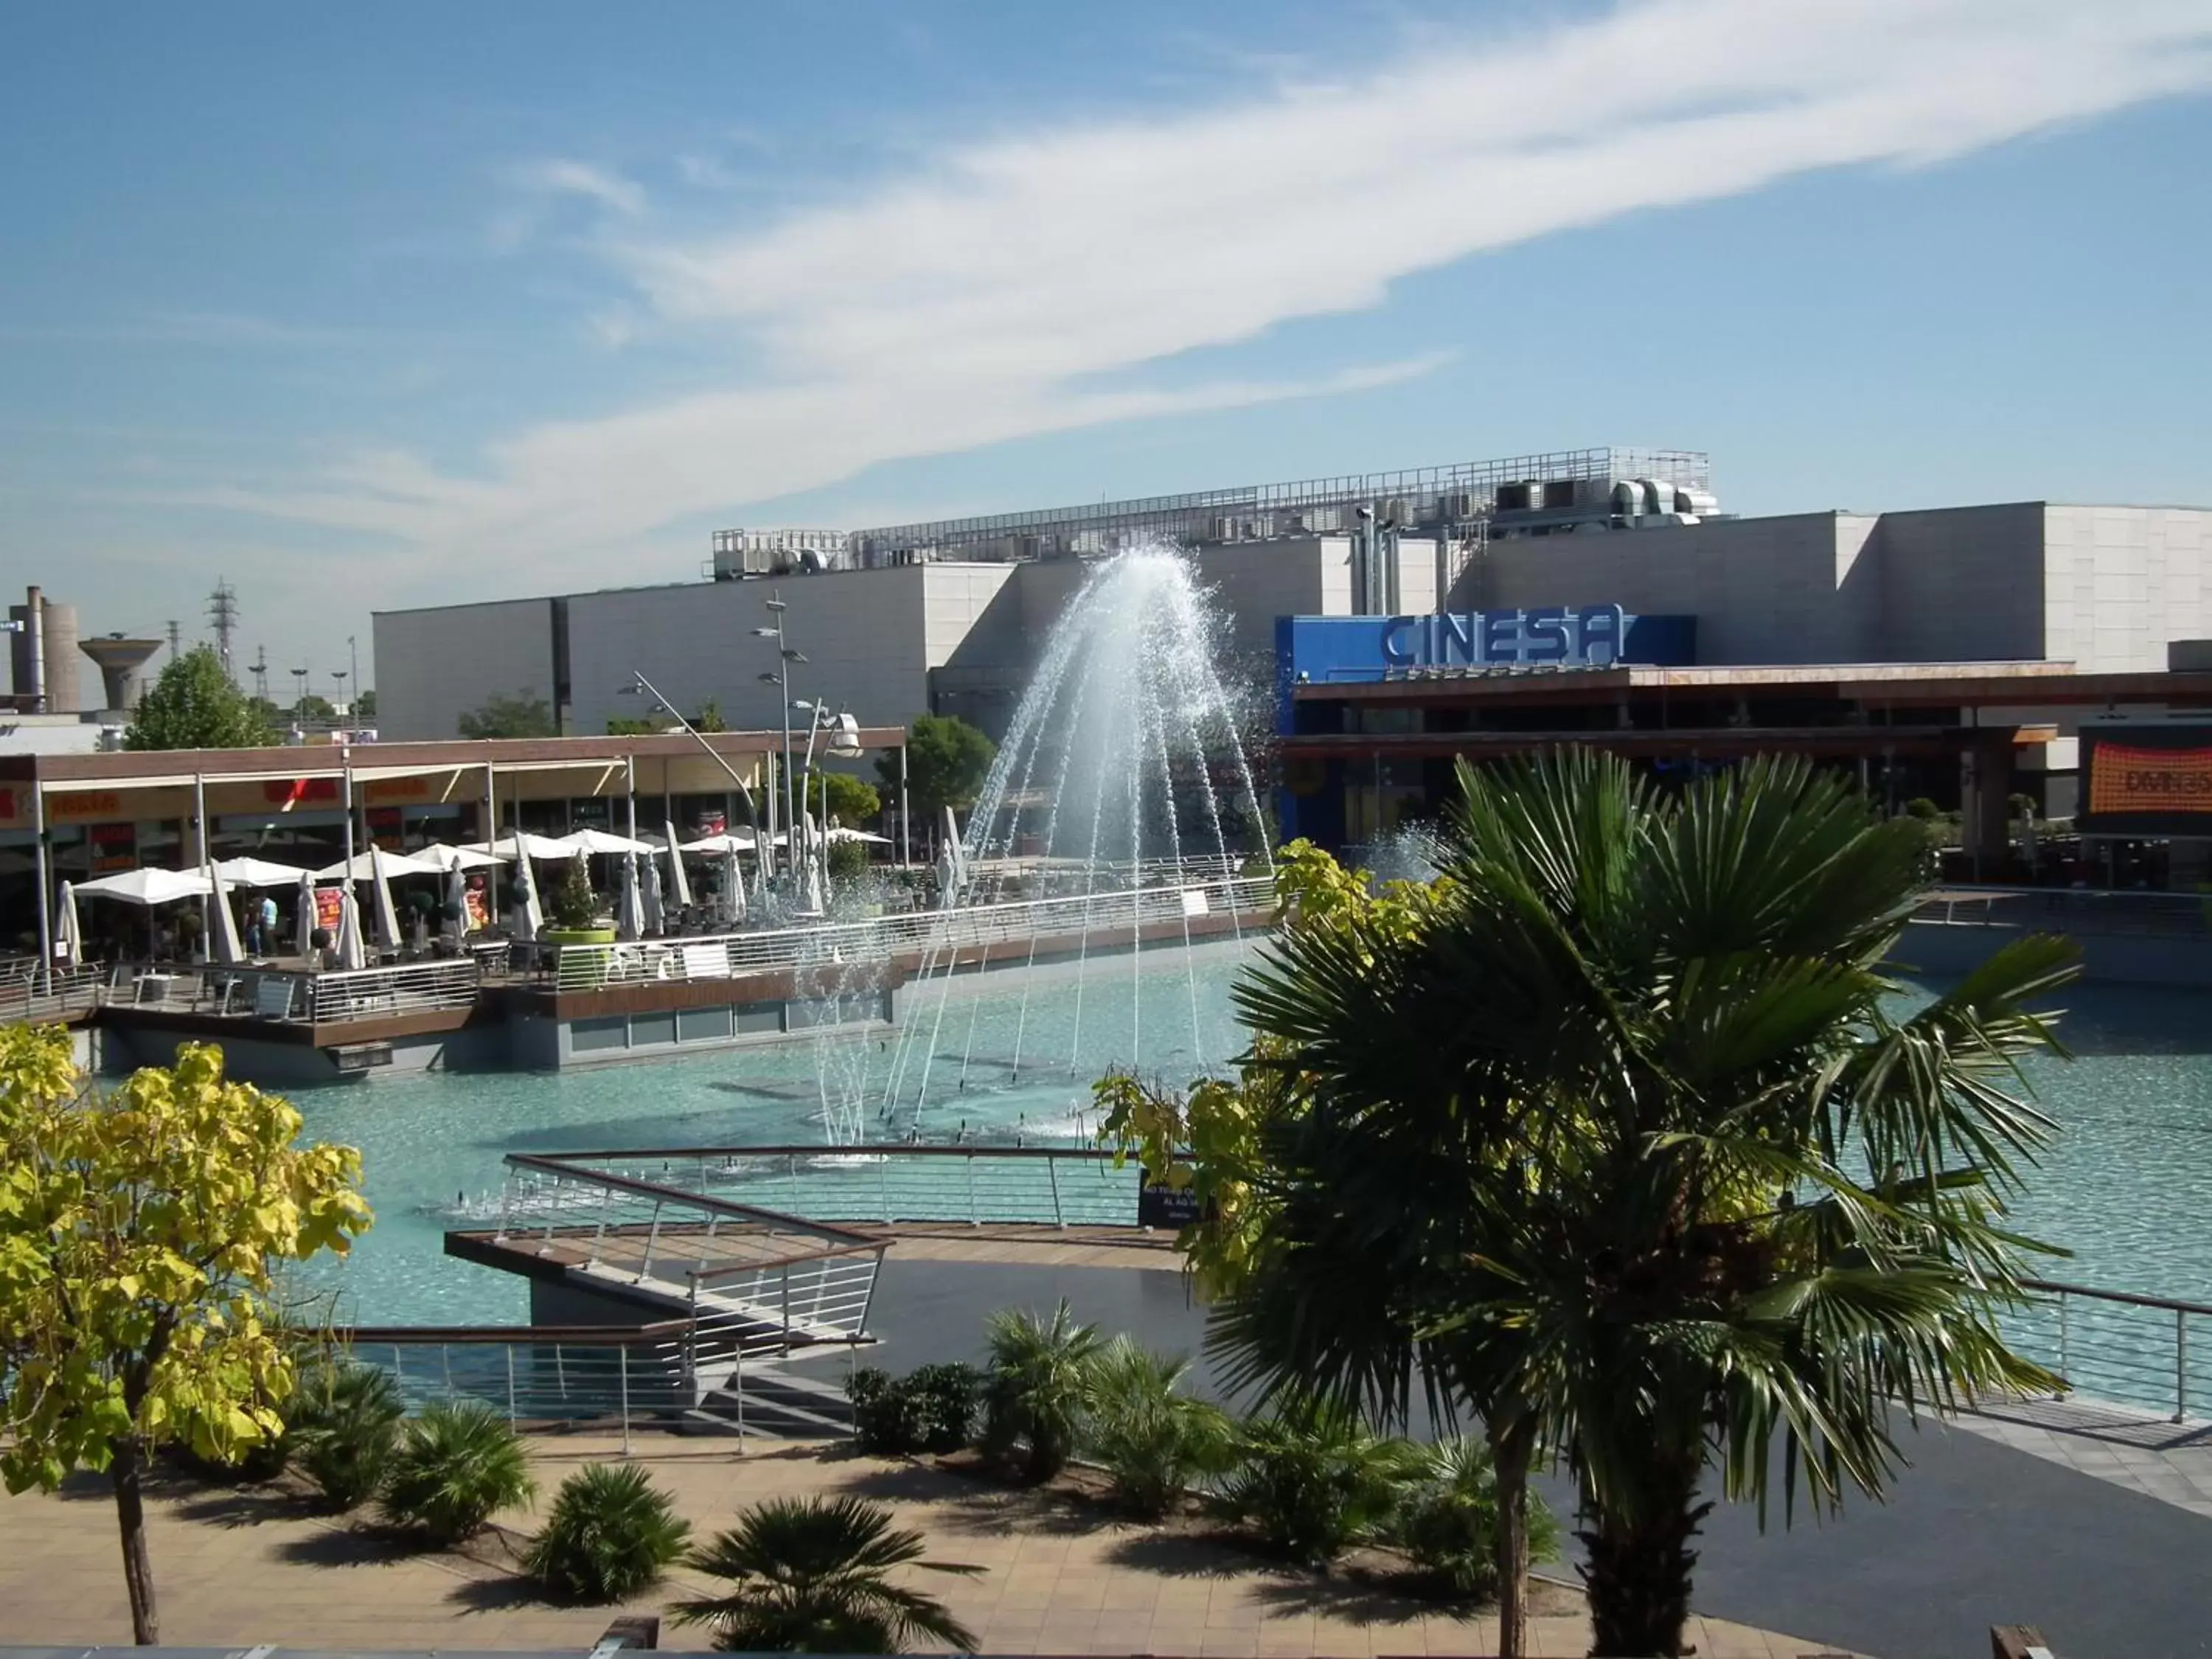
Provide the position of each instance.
(2148, 1351)
(1066, 1187)
(947, 934)
(2070, 910)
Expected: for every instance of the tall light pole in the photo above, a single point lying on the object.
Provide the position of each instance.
(339, 676)
(785, 656)
(300, 696)
(353, 654)
(640, 686)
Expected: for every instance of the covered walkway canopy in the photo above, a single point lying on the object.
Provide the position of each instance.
(343, 798)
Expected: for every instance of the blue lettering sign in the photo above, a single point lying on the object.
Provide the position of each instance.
(1454, 640)
(1588, 636)
(1544, 634)
(1502, 639)
(1602, 629)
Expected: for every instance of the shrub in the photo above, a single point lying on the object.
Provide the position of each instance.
(1038, 1385)
(456, 1466)
(1152, 1439)
(1920, 807)
(1312, 1481)
(812, 1575)
(575, 905)
(931, 1408)
(610, 1533)
(344, 1423)
(1447, 1520)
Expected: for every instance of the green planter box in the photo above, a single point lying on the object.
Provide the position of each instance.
(587, 946)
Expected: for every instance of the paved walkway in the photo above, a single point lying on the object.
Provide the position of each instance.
(2135, 1450)
(236, 1569)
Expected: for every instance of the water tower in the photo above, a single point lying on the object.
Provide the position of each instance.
(120, 661)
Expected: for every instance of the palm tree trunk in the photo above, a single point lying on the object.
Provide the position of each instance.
(138, 1565)
(1640, 1565)
(1512, 1447)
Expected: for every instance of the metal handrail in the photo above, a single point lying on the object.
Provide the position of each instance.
(2098, 1343)
(590, 967)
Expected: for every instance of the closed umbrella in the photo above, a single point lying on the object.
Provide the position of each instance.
(656, 917)
(679, 884)
(532, 919)
(629, 909)
(303, 925)
(457, 900)
(222, 936)
(351, 951)
(69, 942)
(733, 888)
(387, 917)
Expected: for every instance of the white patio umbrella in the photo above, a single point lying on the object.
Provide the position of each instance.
(247, 871)
(656, 916)
(351, 951)
(374, 864)
(679, 884)
(733, 888)
(223, 932)
(839, 832)
(599, 841)
(387, 916)
(303, 924)
(148, 887)
(732, 841)
(523, 844)
(534, 913)
(69, 935)
(629, 909)
(450, 859)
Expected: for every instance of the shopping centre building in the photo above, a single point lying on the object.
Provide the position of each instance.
(1402, 619)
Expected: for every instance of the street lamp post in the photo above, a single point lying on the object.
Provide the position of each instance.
(300, 697)
(640, 685)
(339, 675)
(781, 679)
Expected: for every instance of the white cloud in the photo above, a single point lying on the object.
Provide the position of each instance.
(986, 295)
(594, 184)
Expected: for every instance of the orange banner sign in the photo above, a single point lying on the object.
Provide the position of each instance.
(2125, 779)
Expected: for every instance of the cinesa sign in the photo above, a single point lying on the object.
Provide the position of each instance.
(1590, 636)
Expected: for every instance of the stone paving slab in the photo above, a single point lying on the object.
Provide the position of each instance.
(2135, 1450)
(237, 1568)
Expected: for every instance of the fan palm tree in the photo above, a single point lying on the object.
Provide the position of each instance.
(1038, 1386)
(812, 1576)
(1630, 1150)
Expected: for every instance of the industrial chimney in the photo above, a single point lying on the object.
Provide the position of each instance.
(43, 653)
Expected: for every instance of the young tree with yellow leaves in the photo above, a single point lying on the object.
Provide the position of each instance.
(140, 1231)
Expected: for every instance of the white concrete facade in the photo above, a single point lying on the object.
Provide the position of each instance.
(2103, 587)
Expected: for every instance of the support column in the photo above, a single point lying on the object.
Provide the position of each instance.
(1985, 779)
(46, 880)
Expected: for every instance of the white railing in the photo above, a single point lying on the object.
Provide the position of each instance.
(28, 997)
(289, 996)
(944, 934)
(412, 987)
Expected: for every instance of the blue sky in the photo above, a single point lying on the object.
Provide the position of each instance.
(374, 306)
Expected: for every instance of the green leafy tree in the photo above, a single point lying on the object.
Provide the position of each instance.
(312, 708)
(575, 906)
(193, 704)
(812, 1575)
(140, 1231)
(635, 725)
(523, 716)
(710, 717)
(946, 762)
(364, 706)
(1623, 1146)
(853, 801)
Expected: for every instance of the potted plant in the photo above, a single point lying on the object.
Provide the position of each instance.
(575, 918)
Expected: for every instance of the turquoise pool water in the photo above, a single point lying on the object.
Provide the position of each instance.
(2127, 1187)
